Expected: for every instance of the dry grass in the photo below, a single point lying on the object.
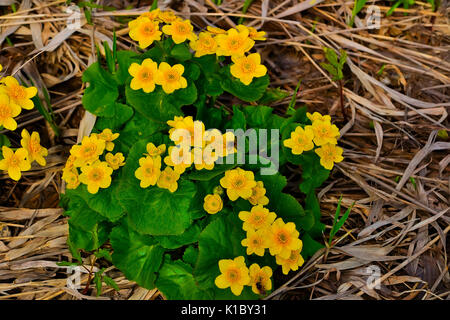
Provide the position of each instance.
(395, 169)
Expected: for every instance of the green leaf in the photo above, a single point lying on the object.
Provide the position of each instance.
(221, 239)
(181, 52)
(339, 223)
(313, 173)
(206, 175)
(272, 95)
(124, 60)
(118, 115)
(138, 256)
(253, 92)
(210, 69)
(176, 282)
(104, 202)
(102, 92)
(190, 255)
(110, 282)
(88, 230)
(190, 235)
(310, 246)
(154, 210)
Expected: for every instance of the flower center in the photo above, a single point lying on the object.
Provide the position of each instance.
(14, 161)
(172, 76)
(148, 29)
(234, 43)
(181, 28)
(96, 175)
(233, 275)
(33, 146)
(88, 151)
(238, 183)
(146, 75)
(17, 93)
(248, 66)
(283, 237)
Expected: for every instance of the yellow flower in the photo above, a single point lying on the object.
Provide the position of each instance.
(154, 151)
(70, 163)
(7, 112)
(234, 274)
(1, 67)
(234, 43)
(225, 145)
(170, 78)
(257, 218)
(145, 31)
(329, 155)
(215, 30)
(115, 161)
(283, 238)
(205, 44)
(212, 203)
(18, 95)
(247, 68)
(33, 146)
(300, 140)
(89, 150)
(168, 179)
(195, 131)
(239, 183)
(180, 31)
(324, 132)
(152, 15)
(259, 195)
(96, 175)
(317, 116)
(178, 159)
(108, 137)
(168, 16)
(260, 279)
(149, 171)
(294, 261)
(71, 177)
(144, 75)
(256, 242)
(253, 33)
(204, 158)
(14, 162)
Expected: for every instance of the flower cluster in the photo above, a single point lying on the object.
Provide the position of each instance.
(15, 162)
(147, 74)
(264, 231)
(95, 172)
(193, 146)
(321, 133)
(13, 99)
(235, 43)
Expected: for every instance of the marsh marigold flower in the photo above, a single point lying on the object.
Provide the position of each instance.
(283, 238)
(144, 75)
(168, 16)
(245, 68)
(239, 183)
(168, 179)
(205, 44)
(18, 95)
(32, 143)
(215, 30)
(152, 15)
(256, 242)
(253, 33)
(260, 279)
(234, 274)
(145, 31)
(155, 151)
(89, 150)
(301, 140)
(170, 78)
(8, 112)
(179, 159)
(212, 203)
(329, 155)
(195, 131)
(149, 171)
(294, 261)
(259, 195)
(71, 177)
(115, 161)
(257, 218)
(1, 67)
(317, 116)
(180, 31)
(324, 132)
(96, 175)
(108, 136)
(14, 162)
(234, 43)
